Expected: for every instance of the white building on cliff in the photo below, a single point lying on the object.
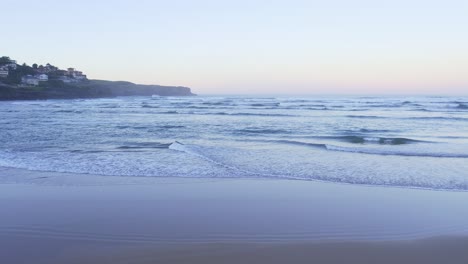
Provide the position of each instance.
(30, 80)
(3, 72)
(42, 77)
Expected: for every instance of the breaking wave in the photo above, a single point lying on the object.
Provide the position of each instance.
(441, 118)
(376, 140)
(145, 145)
(462, 106)
(371, 151)
(394, 152)
(365, 116)
(261, 131)
(196, 151)
(246, 114)
(368, 130)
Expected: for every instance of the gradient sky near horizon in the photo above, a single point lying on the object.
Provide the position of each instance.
(258, 47)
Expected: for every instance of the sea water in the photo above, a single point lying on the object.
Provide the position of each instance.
(414, 142)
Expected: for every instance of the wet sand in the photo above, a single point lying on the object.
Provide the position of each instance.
(436, 250)
(167, 220)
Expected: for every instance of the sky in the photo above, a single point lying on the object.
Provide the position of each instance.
(250, 47)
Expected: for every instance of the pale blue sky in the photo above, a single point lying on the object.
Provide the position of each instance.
(292, 46)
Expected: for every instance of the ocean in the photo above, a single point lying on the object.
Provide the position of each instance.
(410, 142)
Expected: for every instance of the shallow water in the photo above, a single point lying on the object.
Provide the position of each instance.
(416, 142)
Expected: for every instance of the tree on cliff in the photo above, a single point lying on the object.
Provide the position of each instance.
(14, 76)
(5, 60)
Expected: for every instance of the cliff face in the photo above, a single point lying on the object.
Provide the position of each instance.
(128, 89)
(89, 89)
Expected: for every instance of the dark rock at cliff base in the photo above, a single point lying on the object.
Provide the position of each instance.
(88, 89)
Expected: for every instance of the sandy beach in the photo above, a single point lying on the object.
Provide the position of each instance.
(63, 218)
(232, 132)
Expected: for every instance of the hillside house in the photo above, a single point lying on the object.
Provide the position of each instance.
(42, 77)
(61, 73)
(71, 71)
(65, 79)
(30, 80)
(12, 65)
(3, 72)
(78, 75)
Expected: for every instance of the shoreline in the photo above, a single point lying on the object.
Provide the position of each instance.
(56, 178)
